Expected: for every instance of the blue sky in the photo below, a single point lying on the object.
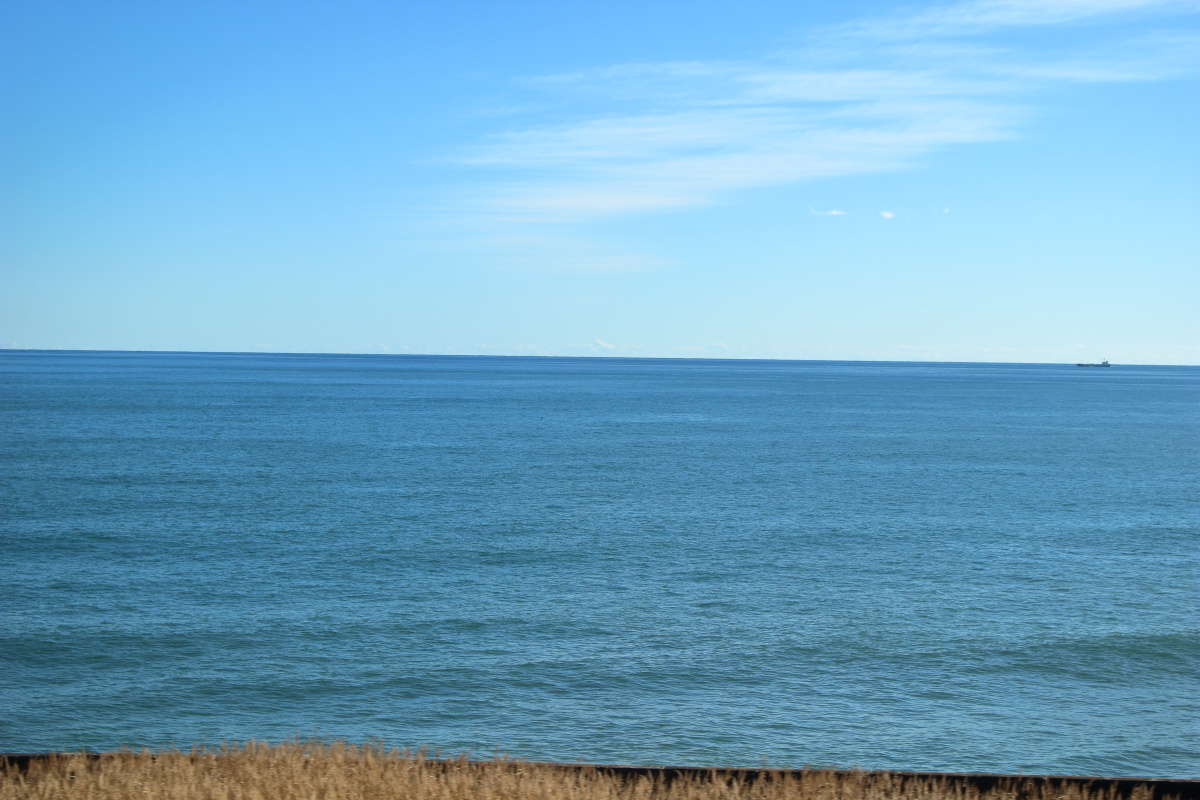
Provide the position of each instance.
(985, 180)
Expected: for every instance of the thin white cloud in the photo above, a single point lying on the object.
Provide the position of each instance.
(872, 96)
(603, 345)
(983, 16)
(522, 244)
(888, 214)
(655, 162)
(833, 212)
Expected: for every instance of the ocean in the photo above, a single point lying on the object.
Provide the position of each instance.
(971, 567)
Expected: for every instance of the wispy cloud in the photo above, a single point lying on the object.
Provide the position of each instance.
(523, 245)
(651, 162)
(976, 17)
(888, 214)
(832, 212)
(870, 96)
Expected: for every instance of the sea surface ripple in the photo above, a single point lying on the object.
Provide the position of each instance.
(886, 565)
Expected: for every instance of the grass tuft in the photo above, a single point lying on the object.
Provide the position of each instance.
(339, 771)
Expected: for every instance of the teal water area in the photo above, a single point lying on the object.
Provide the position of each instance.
(966, 567)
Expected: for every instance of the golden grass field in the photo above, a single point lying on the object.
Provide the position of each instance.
(347, 772)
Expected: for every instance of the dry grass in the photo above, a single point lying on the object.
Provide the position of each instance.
(346, 772)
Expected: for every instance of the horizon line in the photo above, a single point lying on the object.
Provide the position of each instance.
(527, 355)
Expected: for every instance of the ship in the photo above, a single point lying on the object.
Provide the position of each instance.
(1103, 363)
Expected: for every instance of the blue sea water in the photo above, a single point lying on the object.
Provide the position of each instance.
(884, 565)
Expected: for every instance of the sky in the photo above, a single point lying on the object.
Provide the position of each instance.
(981, 180)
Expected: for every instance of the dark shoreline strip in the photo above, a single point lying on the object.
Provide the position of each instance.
(1157, 788)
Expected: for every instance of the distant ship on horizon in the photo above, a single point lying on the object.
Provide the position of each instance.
(1103, 363)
